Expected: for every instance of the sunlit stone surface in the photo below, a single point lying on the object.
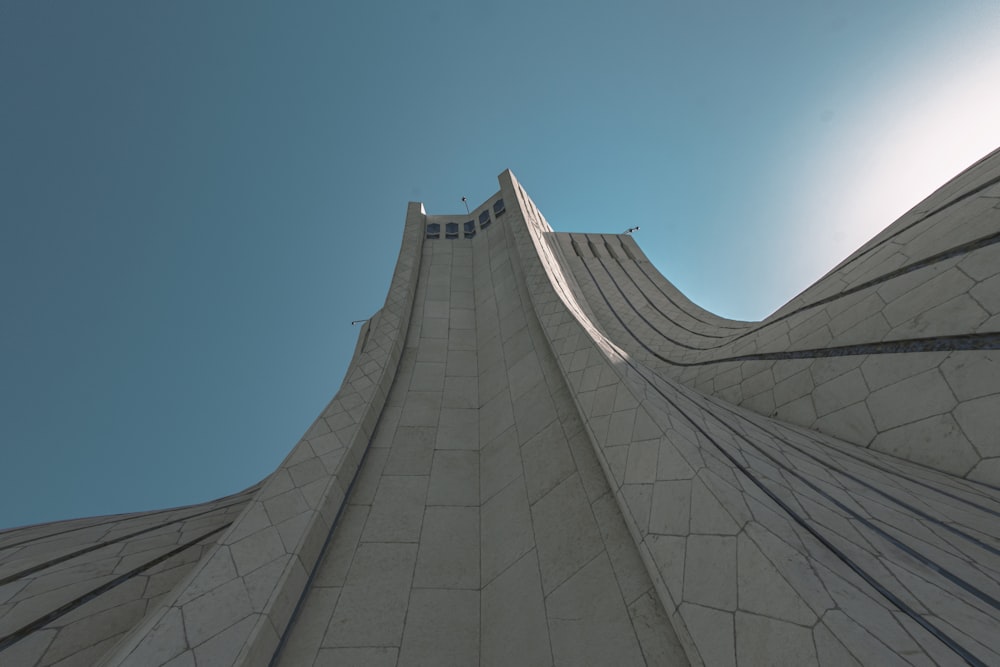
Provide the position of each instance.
(544, 454)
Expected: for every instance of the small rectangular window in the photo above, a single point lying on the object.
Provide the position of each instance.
(498, 208)
(484, 220)
(451, 230)
(470, 229)
(433, 231)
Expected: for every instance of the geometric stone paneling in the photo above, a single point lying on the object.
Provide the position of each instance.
(769, 543)
(71, 589)
(543, 453)
(903, 330)
(482, 530)
(274, 545)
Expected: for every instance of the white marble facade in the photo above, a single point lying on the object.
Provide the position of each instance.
(543, 453)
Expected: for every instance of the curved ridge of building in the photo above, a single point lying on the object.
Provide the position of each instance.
(69, 590)
(543, 453)
(890, 350)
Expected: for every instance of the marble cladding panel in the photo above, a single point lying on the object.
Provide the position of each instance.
(543, 453)
(769, 543)
(481, 524)
(235, 605)
(977, 183)
(70, 590)
(865, 362)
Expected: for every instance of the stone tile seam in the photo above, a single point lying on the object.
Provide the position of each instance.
(860, 459)
(898, 602)
(538, 271)
(836, 468)
(567, 577)
(643, 317)
(870, 524)
(401, 329)
(511, 248)
(969, 193)
(402, 288)
(847, 647)
(413, 572)
(651, 590)
(762, 548)
(656, 285)
(563, 294)
(300, 603)
(740, 610)
(122, 518)
(563, 281)
(625, 604)
(652, 585)
(684, 328)
(954, 343)
(861, 572)
(955, 251)
(679, 308)
(871, 580)
(100, 545)
(541, 589)
(41, 622)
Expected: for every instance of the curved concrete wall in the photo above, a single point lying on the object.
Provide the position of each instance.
(768, 543)
(543, 454)
(895, 349)
(235, 605)
(70, 590)
(482, 530)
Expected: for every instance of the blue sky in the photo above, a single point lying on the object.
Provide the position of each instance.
(197, 198)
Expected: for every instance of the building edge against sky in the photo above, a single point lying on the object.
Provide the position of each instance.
(543, 453)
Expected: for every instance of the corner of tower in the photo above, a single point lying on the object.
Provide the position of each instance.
(509, 183)
(506, 176)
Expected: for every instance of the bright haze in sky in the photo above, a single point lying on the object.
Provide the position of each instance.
(198, 198)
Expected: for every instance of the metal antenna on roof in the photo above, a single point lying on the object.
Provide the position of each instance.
(466, 202)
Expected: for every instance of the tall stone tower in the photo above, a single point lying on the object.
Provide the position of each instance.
(543, 453)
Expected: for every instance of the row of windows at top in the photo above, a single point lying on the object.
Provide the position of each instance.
(469, 226)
